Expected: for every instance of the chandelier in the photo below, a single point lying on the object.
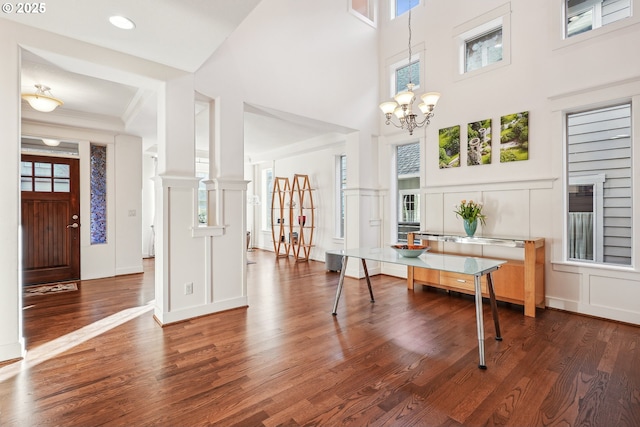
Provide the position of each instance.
(402, 106)
(42, 99)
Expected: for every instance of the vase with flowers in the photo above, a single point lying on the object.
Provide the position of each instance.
(471, 213)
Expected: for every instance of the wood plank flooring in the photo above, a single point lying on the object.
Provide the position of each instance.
(97, 358)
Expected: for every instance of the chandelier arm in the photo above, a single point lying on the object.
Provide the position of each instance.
(391, 122)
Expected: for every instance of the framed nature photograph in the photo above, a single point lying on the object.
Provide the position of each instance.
(479, 143)
(449, 141)
(514, 137)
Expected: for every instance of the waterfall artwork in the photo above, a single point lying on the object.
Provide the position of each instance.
(479, 143)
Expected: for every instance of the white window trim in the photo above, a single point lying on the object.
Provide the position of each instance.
(597, 181)
(499, 17)
(338, 188)
(561, 40)
(266, 206)
(373, 4)
(407, 192)
(570, 102)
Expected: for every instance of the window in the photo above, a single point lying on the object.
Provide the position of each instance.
(405, 74)
(267, 195)
(586, 15)
(408, 184)
(403, 6)
(363, 9)
(202, 198)
(599, 192)
(341, 185)
(483, 50)
(484, 43)
(45, 177)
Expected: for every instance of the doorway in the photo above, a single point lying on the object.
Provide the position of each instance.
(50, 202)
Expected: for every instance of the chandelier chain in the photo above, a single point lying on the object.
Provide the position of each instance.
(410, 67)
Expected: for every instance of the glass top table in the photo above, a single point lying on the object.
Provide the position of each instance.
(472, 266)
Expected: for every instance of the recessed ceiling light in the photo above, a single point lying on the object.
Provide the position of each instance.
(122, 22)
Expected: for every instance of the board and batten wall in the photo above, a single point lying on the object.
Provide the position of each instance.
(549, 77)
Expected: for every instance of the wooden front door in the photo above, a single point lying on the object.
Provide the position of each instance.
(50, 191)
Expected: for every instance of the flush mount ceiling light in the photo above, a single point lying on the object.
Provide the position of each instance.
(402, 106)
(51, 142)
(42, 99)
(122, 22)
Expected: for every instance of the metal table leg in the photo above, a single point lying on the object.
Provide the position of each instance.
(494, 307)
(366, 274)
(479, 320)
(340, 284)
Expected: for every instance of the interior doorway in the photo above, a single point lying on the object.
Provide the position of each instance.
(50, 218)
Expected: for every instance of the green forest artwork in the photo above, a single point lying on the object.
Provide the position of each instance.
(449, 140)
(479, 143)
(514, 137)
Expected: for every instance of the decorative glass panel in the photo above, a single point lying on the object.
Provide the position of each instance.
(483, 50)
(406, 74)
(98, 194)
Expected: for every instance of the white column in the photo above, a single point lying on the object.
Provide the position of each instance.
(363, 226)
(11, 339)
(179, 257)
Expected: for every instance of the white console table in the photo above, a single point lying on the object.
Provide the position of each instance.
(519, 282)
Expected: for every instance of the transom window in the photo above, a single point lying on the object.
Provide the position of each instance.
(483, 50)
(403, 6)
(586, 15)
(363, 9)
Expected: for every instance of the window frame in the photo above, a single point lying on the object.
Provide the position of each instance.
(266, 194)
(596, 21)
(597, 181)
(340, 196)
(593, 178)
(560, 16)
(373, 7)
(490, 21)
(397, 65)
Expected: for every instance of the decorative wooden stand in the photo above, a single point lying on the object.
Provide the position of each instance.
(292, 217)
(279, 214)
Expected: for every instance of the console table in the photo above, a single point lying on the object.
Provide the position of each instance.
(469, 266)
(519, 282)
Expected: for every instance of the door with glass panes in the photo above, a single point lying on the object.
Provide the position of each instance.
(50, 215)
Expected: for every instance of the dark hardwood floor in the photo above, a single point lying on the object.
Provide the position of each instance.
(96, 357)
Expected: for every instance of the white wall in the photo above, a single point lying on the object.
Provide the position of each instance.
(546, 76)
(122, 253)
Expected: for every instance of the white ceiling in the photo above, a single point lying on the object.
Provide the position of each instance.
(164, 31)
